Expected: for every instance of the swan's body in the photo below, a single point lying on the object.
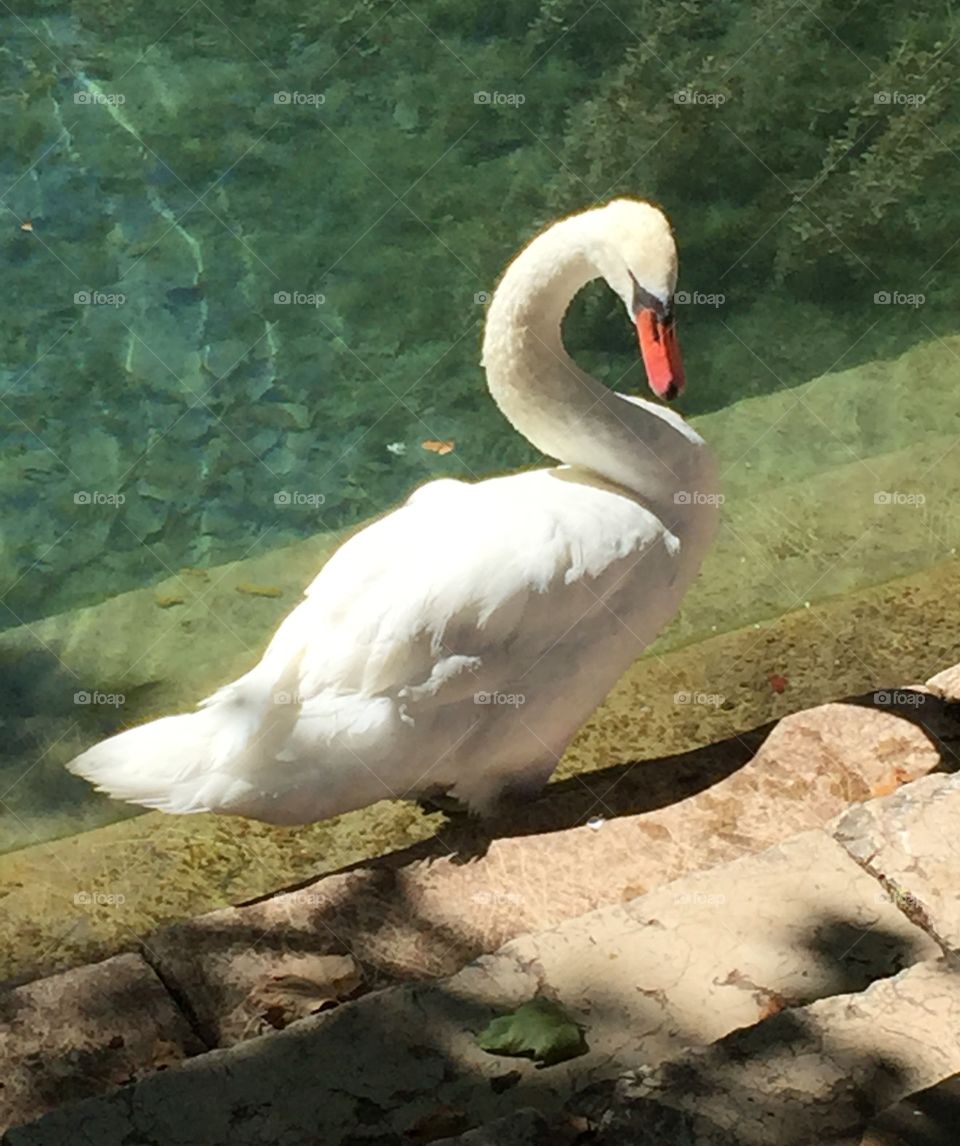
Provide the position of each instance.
(458, 643)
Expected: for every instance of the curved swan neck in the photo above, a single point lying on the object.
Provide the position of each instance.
(558, 408)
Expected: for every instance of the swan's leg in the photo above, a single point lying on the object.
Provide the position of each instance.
(488, 796)
(472, 835)
(439, 800)
(474, 804)
(463, 833)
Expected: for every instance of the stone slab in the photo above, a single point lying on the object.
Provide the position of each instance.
(818, 1073)
(911, 841)
(678, 967)
(405, 921)
(84, 1032)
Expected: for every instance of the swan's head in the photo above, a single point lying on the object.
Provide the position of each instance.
(633, 249)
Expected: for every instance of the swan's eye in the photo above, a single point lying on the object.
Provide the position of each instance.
(644, 300)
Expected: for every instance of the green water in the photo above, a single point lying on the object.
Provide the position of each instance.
(247, 251)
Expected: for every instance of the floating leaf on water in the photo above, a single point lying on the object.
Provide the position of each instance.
(541, 1030)
(437, 447)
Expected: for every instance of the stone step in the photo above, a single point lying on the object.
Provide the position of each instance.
(85, 1031)
(886, 1056)
(800, 936)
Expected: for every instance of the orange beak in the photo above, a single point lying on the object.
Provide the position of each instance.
(661, 354)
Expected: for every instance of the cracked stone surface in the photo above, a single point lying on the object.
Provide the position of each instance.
(817, 1073)
(911, 841)
(679, 967)
(429, 917)
(83, 1032)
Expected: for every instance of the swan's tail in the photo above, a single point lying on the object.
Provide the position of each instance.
(169, 764)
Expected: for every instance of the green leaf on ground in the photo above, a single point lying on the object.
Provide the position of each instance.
(541, 1030)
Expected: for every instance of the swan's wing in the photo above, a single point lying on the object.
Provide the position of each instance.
(452, 574)
(370, 683)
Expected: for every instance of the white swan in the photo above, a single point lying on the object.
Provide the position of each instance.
(458, 643)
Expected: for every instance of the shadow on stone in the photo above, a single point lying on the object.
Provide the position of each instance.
(928, 1118)
(374, 1077)
(937, 718)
